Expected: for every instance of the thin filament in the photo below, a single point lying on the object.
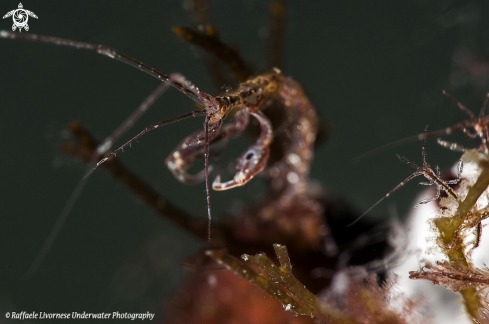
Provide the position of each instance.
(101, 149)
(56, 228)
(206, 162)
(193, 94)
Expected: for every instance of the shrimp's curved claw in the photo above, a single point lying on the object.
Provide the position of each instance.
(192, 148)
(182, 158)
(178, 166)
(254, 160)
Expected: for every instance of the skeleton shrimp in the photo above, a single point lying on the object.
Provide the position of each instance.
(289, 175)
(473, 127)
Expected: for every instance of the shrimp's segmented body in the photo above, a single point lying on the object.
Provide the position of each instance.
(251, 99)
(290, 210)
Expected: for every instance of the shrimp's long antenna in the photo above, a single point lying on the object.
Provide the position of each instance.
(101, 149)
(48, 243)
(385, 147)
(187, 88)
(471, 122)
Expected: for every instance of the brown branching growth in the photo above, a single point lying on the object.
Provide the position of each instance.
(278, 16)
(283, 276)
(209, 40)
(266, 283)
(453, 277)
(207, 36)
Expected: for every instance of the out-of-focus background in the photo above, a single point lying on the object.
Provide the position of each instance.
(374, 69)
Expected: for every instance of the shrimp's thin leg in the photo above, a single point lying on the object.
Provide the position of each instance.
(427, 200)
(432, 177)
(144, 131)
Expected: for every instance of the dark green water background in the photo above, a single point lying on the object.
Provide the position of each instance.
(373, 68)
